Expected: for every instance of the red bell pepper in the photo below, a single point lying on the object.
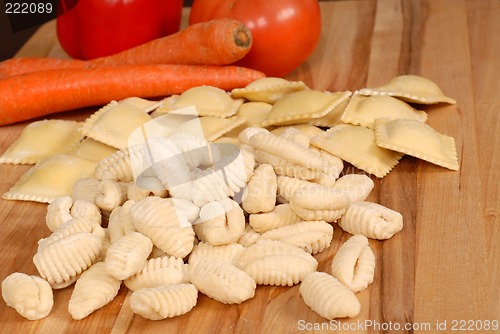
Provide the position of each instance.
(97, 28)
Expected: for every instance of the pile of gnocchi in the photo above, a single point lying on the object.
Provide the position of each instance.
(243, 193)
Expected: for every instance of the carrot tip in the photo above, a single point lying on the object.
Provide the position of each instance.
(242, 37)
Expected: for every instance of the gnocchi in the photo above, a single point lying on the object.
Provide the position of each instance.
(61, 261)
(248, 209)
(273, 262)
(371, 220)
(354, 263)
(93, 289)
(164, 270)
(127, 256)
(325, 295)
(164, 301)
(222, 281)
(30, 296)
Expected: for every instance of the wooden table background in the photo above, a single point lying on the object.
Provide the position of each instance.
(443, 266)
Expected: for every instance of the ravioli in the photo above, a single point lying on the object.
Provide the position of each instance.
(208, 100)
(411, 88)
(303, 106)
(364, 110)
(356, 145)
(42, 139)
(51, 178)
(268, 89)
(92, 150)
(102, 125)
(417, 139)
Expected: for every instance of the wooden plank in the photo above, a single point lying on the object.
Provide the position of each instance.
(484, 37)
(442, 266)
(450, 258)
(389, 56)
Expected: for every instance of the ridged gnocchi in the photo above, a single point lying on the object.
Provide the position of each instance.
(159, 271)
(165, 301)
(119, 222)
(86, 188)
(73, 226)
(325, 295)
(260, 195)
(30, 296)
(111, 194)
(222, 281)
(371, 220)
(311, 236)
(62, 260)
(220, 223)
(127, 255)
(161, 221)
(354, 263)
(58, 212)
(276, 263)
(281, 215)
(227, 252)
(93, 289)
(116, 167)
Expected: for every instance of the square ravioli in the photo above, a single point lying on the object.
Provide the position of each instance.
(411, 88)
(364, 110)
(356, 145)
(41, 139)
(51, 178)
(304, 106)
(92, 150)
(102, 125)
(418, 140)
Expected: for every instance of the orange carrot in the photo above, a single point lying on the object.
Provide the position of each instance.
(216, 42)
(41, 93)
(16, 66)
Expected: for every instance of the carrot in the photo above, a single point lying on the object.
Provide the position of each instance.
(216, 42)
(16, 66)
(41, 93)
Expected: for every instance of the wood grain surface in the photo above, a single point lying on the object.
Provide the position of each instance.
(444, 266)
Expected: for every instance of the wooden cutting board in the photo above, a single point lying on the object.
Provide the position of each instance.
(439, 273)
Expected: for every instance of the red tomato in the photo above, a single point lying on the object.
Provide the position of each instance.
(285, 32)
